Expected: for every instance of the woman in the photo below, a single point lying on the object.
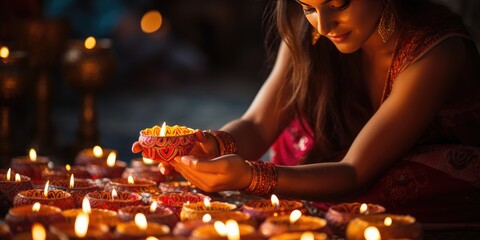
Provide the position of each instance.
(372, 101)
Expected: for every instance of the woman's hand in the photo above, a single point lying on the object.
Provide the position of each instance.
(228, 172)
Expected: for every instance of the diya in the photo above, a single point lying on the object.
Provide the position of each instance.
(140, 228)
(21, 219)
(31, 165)
(263, 208)
(153, 213)
(78, 188)
(10, 186)
(113, 200)
(177, 186)
(221, 231)
(130, 184)
(149, 173)
(338, 216)
(37, 232)
(176, 200)
(104, 216)
(112, 168)
(185, 228)
(95, 155)
(82, 228)
(65, 172)
(301, 236)
(197, 210)
(389, 226)
(57, 198)
(295, 222)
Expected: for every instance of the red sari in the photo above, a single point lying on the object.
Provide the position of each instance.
(439, 180)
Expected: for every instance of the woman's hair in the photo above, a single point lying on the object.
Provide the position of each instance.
(324, 85)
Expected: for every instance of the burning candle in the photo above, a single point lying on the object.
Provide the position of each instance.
(136, 185)
(264, 208)
(57, 198)
(197, 210)
(20, 219)
(78, 188)
(97, 215)
(31, 165)
(140, 228)
(231, 230)
(338, 216)
(295, 222)
(114, 200)
(389, 226)
(80, 229)
(112, 168)
(10, 187)
(153, 213)
(95, 155)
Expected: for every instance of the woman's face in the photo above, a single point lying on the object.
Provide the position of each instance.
(349, 24)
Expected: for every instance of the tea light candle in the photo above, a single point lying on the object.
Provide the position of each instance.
(295, 222)
(301, 236)
(57, 198)
(104, 216)
(95, 155)
(112, 168)
(338, 216)
(78, 188)
(389, 226)
(136, 185)
(175, 201)
(20, 219)
(31, 165)
(113, 200)
(263, 208)
(10, 186)
(65, 172)
(219, 231)
(153, 213)
(80, 229)
(197, 210)
(140, 228)
(38, 232)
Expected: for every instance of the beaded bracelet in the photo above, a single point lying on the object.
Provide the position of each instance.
(226, 143)
(264, 178)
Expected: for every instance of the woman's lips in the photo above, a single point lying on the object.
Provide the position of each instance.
(338, 38)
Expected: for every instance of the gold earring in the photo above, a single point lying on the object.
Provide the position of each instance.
(386, 25)
(315, 36)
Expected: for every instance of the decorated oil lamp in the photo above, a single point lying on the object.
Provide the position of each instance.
(95, 155)
(10, 186)
(78, 188)
(153, 213)
(141, 228)
(196, 210)
(176, 200)
(177, 186)
(137, 185)
(62, 172)
(389, 226)
(82, 228)
(57, 198)
(112, 168)
(97, 215)
(264, 208)
(295, 222)
(113, 200)
(229, 231)
(31, 165)
(37, 232)
(301, 236)
(21, 219)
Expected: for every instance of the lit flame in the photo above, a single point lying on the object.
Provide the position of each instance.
(86, 206)
(72, 181)
(153, 206)
(206, 218)
(68, 167)
(151, 238)
(32, 154)
(114, 194)
(9, 174)
(4, 52)
(81, 225)
(90, 42)
(38, 232)
(147, 161)
(163, 130)
(151, 21)
(206, 202)
(45, 190)
(130, 180)
(275, 201)
(372, 233)
(220, 228)
(111, 159)
(17, 177)
(97, 151)
(295, 215)
(233, 231)
(388, 221)
(36, 207)
(363, 208)
(141, 221)
(307, 236)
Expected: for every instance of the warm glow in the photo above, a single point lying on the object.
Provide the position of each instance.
(86, 206)
(163, 130)
(206, 218)
(4, 52)
(141, 221)
(38, 232)
(9, 174)
(153, 206)
(17, 177)
(68, 167)
(36, 207)
(90, 42)
(307, 236)
(130, 180)
(111, 159)
(220, 228)
(151, 238)
(388, 221)
(147, 161)
(114, 194)
(372, 233)
(151, 21)
(233, 231)
(275, 201)
(97, 152)
(72, 181)
(45, 190)
(206, 202)
(363, 208)
(81, 225)
(295, 215)
(32, 154)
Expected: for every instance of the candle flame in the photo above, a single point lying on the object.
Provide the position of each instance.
(130, 180)
(111, 159)
(81, 224)
(36, 207)
(153, 206)
(17, 177)
(372, 233)
(220, 228)
(147, 161)
(38, 232)
(90, 42)
(307, 236)
(275, 201)
(151, 238)
(206, 202)
(45, 190)
(97, 151)
(86, 206)
(4, 52)
(233, 231)
(151, 21)
(9, 174)
(206, 218)
(363, 208)
(68, 167)
(388, 221)
(141, 221)
(163, 130)
(295, 215)
(72, 181)
(32, 154)
(114, 194)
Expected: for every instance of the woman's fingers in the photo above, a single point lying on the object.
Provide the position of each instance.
(136, 147)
